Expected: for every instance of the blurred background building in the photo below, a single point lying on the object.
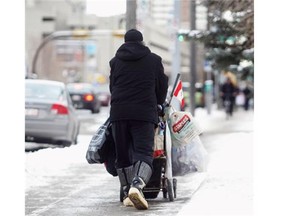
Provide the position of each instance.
(224, 42)
(83, 59)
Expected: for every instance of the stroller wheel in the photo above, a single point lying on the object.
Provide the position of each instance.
(170, 190)
(164, 188)
(174, 186)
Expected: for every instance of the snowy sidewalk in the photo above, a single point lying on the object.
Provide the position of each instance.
(228, 188)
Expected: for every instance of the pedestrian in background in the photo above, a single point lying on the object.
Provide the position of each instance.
(137, 85)
(229, 92)
(248, 95)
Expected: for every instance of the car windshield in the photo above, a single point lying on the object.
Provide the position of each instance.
(79, 88)
(43, 91)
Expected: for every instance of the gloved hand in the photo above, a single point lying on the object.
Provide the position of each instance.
(160, 110)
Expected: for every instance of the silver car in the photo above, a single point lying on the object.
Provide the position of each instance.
(49, 113)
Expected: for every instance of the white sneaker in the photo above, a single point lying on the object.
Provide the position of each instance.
(127, 202)
(137, 199)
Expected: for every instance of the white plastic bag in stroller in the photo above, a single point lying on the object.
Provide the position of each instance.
(188, 152)
(191, 157)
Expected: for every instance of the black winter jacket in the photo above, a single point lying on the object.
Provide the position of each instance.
(137, 83)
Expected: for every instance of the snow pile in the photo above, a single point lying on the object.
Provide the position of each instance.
(54, 161)
(228, 189)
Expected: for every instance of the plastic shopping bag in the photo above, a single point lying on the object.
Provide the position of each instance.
(240, 99)
(101, 148)
(159, 141)
(188, 152)
(183, 126)
(189, 158)
(98, 149)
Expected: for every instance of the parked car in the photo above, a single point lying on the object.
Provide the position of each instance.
(49, 113)
(84, 96)
(103, 94)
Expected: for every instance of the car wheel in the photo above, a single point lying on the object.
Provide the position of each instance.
(76, 140)
(66, 143)
(95, 110)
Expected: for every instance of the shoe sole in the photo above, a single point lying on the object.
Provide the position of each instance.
(127, 202)
(137, 199)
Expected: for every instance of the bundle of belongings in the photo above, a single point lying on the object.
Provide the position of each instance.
(188, 152)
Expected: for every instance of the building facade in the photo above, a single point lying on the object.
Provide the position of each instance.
(83, 59)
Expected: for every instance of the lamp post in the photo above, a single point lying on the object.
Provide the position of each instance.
(193, 77)
(131, 6)
(77, 34)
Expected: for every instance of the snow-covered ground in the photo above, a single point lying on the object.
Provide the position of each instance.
(227, 186)
(52, 162)
(228, 189)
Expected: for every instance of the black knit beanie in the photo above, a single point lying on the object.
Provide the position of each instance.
(133, 35)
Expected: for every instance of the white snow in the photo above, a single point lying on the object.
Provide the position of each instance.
(52, 162)
(228, 188)
(225, 189)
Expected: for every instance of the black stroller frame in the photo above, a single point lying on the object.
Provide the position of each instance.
(159, 181)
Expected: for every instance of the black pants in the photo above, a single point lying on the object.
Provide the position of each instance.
(134, 141)
(231, 104)
(246, 104)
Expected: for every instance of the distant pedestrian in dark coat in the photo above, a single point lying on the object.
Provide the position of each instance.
(137, 85)
(229, 92)
(248, 94)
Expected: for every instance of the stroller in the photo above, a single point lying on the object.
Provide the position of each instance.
(161, 178)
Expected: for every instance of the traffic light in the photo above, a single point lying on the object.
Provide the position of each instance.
(182, 35)
(187, 35)
(181, 38)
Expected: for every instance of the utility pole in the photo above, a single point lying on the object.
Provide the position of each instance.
(193, 77)
(176, 56)
(208, 84)
(131, 6)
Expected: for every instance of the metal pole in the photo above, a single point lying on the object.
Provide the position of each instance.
(193, 77)
(176, 63)
(64, 34)
(131, 6)
(176, 55)
(209, 85)
(51, 37)
(173, 89)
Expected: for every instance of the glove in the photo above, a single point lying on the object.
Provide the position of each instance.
(160, 110)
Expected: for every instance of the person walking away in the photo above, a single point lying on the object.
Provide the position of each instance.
(248, 94)
(229, 92)
(137, 84)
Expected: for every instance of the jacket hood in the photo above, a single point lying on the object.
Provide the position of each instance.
(131, 51)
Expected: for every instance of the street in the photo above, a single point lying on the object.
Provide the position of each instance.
(59, 181)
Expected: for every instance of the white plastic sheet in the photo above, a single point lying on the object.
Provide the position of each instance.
(188, 153)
